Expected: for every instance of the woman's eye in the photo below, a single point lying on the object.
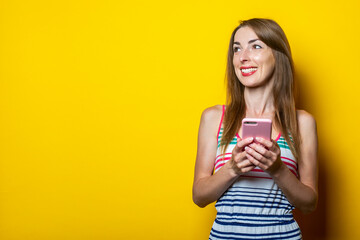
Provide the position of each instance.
(236, 49)
(257, 46)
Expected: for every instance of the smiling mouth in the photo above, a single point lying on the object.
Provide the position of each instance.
(248, 71)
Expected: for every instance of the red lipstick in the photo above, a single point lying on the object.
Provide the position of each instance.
(247, 71)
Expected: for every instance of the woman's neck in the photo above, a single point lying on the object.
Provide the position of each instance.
(259, 102)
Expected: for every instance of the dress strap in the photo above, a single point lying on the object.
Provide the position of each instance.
(222, 117)
(278, 137)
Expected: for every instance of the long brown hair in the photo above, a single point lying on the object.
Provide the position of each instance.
(269, 32)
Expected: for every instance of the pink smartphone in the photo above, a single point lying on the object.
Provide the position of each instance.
(256, 127)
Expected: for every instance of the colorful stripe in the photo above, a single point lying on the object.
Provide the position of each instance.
(254, 207)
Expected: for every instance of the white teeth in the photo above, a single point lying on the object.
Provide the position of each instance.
(247, 70)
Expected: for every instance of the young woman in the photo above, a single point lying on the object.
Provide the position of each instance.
(258, 183)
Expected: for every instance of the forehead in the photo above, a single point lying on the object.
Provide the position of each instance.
(244, 34)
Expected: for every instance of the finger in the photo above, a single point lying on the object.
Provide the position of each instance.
(247, 163)
(240, 157)
(260, 149)
(254, 154)
(267, 143)
(248, 169)
(244, 166)
(242, 143)
(255, 161)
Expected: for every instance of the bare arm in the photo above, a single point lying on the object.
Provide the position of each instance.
(302, 192)
(209, 187)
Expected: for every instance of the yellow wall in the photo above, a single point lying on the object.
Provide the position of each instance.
(100, 103)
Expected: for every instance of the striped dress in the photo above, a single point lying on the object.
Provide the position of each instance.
(254, 207)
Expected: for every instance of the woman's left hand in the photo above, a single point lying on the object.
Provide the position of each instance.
(265, 154)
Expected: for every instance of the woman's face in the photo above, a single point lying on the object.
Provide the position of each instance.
(253, 60)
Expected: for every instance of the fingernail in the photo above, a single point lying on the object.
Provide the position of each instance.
(257, 138)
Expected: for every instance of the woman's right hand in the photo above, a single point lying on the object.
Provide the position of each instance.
(238, 162)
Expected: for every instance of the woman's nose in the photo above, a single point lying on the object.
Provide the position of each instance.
(244, 55)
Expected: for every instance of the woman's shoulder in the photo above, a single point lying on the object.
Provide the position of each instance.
(306, 121)
(212, 115)
(304, 117)
(213, 111)
(210, 121)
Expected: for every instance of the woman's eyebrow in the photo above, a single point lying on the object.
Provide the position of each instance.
(251, 41)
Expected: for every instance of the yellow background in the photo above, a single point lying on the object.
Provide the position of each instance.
(100, 103)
